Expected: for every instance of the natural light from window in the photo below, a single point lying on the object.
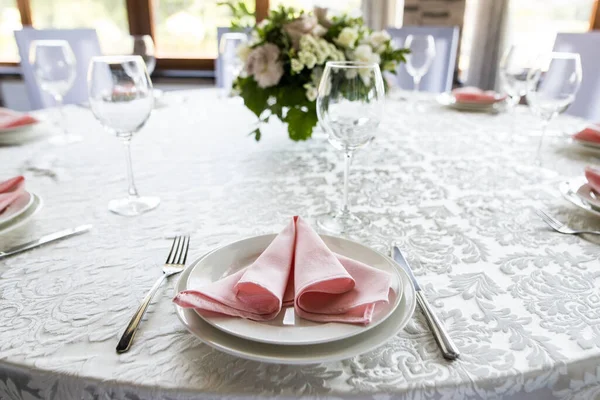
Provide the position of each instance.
(10, 20)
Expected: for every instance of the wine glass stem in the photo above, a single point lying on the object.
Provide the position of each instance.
(61, 114)
(545, 123)
(132, 190)
(417, 81)
(347, 162)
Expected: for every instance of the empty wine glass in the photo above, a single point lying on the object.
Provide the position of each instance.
(143, 46)
(418, 61)
(552, 86)
(231, 62)
(350, 108)
(120, 92)
(515, 64)
(54, 65)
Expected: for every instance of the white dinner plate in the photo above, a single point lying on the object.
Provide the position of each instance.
(303, 354)
(287, 328)
(447, 99)
(592, 145)
(17, 207)
(23, 135)
(22, 216)
(577, 192)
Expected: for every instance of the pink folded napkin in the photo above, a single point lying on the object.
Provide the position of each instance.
(13, 119)
(589, 134)
(10, 190)
(592, 174)
(473, 95)
(296, 268)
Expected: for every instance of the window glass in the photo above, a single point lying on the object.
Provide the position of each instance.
(10, 21)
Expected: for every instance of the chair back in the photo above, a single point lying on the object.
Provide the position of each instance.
(441, 72)
(85, 45)
(587, 101)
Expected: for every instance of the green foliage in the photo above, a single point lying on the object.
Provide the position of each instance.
(242, 17)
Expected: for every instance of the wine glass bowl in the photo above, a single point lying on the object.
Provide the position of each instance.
(350, 108)
(552, 87)
(420, 58)
(232, 64)
(54, 67)
(143, 46)
(121, 98)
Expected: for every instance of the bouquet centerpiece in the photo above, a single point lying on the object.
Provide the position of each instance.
(285, 57)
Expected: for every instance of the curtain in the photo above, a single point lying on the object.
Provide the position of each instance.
(380, 14)
(486, 50)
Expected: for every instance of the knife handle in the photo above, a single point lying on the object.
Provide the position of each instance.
(445, 343)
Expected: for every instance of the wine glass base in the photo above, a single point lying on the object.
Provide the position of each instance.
(61, 140)
(132, 206)
(340, 222)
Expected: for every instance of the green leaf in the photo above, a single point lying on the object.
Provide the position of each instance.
(255, 98)
(301, 123)
(257, 134)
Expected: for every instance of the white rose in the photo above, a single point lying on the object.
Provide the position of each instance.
(319, 30)
(347, 37)
(378, 40)
(263, 63)
(311, 92)
(364, 53)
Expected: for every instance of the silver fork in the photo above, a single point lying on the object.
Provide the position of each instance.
(174, 265)
(561, 227)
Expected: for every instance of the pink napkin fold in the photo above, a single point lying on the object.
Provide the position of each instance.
(592, 174)
(10, 190)
(589, 134)
(14, 119)
(473, 95)
(296, 268)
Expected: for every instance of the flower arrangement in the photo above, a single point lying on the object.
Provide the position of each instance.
(285, 57)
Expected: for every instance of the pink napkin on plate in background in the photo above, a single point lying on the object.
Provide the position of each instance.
(589, 134)
(13, 119)
(10, 190)
(592, 174)
(473, 95)
(296, 269)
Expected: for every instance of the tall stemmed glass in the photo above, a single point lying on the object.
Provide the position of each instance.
(143, 46)
(231, 62)
(552, 86)
(515, 64)
(418, 61)
(121, 98)
(54, 65)
(350, 108)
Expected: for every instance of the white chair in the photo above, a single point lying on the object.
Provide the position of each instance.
(441, 73)
(587, 101)
(85, 45)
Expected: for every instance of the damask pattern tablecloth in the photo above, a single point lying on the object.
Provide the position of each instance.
(456, 191)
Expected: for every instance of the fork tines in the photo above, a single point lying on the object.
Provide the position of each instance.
(179, 250)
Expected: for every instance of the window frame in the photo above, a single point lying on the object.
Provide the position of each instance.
(140, 17)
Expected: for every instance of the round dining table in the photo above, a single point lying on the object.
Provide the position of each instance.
(456, 191)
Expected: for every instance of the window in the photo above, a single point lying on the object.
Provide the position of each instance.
(334, 5)
(108, 17)
(188, 29)
(10, 20)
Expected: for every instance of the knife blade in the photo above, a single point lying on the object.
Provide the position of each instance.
(46, 239)
(441, 336)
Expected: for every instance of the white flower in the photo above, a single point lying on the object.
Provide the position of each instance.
(243, 52)
(297, 65)
(378, 40)
(351, 73)
(347, 37)
(300, 27)
(364, 53)
(307, 58)
(311, 92)
(263, 63)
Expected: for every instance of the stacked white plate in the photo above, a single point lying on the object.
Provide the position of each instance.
(448, 100)
(21, 211)
(289, 339)
(579, 193)
(21, 134)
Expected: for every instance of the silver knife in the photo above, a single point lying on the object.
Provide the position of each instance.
(445, 343)
(46, 239)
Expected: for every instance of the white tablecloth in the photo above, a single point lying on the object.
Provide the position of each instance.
(521, 302)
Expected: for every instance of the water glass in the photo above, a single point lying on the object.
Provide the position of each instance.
(120, 93)
(350, 109)
(231, 63)
(552, 86)
(54, 67)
